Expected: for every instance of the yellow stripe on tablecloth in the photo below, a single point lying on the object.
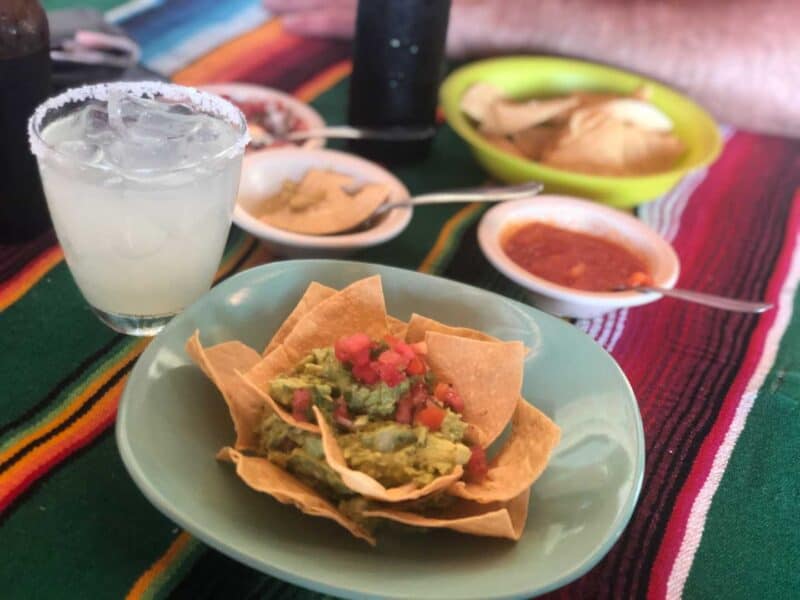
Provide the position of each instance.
(146, 586)
(447, 237)
(29, 276)
(322, 82)
(83, 394)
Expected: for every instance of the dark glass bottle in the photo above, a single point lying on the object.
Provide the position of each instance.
(24, 84)
(398, 61)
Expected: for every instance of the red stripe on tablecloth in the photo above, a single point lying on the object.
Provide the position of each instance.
(14, 257)
(295, 63)
(55, 450)
(748, 234)
(723, 218)
(276, 51)
(676, 529)
(682, 360)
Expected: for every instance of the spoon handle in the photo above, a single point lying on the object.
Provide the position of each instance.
(489, 194)
(399, 134)
(711, 300)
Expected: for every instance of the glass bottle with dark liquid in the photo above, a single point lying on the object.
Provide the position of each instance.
(398, 60)
(24, 84)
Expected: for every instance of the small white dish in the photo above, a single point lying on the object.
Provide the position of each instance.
(263, 173)
(587, 217)
(247, 92)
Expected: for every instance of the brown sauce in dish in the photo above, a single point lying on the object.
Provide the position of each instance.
(572, 259)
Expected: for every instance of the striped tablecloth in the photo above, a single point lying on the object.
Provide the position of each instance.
(719, 392)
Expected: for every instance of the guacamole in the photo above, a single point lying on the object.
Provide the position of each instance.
(327, 378)
(389, 422)
(396, 454)
(300, 453)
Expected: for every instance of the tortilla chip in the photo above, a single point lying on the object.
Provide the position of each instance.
(505, 117)
(487, 520)
(268, 368)
(365, 485)
(532, 142)
(418, 326)
(501, 142)
(478, 98)
(643, 92)
(318, 204)
(639, 113)
(487, 375)
(598, 144)
(521, 461)
(397, 328)
(588, 99)
(314, 294)
(220, 364)
(263, 476)
(359, 307)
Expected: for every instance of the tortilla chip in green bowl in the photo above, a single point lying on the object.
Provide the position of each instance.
(528, 77)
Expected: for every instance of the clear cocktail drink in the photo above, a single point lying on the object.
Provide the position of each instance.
(140, 181)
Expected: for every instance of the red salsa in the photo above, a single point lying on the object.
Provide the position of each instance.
(573, 259)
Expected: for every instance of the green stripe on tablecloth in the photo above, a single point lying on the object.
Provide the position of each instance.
(91, 555)
(101, 5)
(36, 355)
(64, 397)
(758, 501)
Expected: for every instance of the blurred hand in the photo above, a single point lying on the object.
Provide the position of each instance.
(318, 18)
(701, 47)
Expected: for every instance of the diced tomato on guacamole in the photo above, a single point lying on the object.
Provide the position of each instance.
(301, 404)
(447, 395)
(430, 416)
(392, 420)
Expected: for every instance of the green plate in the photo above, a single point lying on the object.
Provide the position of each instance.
(172, 421)
(534, 76)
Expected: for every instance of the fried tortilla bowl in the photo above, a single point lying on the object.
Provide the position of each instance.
(222, 364)
(525, 77)
(503, 520)
(263, 476)
(486, 372)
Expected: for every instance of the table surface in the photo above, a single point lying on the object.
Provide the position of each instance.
(719, 392)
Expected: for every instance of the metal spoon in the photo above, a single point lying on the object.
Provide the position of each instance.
(346, 132)
(703, 298)
(484, 194)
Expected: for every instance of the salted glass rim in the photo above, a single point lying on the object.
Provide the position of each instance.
(203, 102)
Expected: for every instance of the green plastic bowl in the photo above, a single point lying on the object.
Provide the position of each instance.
(532, 76)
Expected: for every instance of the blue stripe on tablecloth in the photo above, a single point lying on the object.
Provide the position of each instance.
(208, 38)
(160, 29)
(125, 11)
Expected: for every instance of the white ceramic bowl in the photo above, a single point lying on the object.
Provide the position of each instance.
(588, 217)
(248, 92)
(264, 172)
